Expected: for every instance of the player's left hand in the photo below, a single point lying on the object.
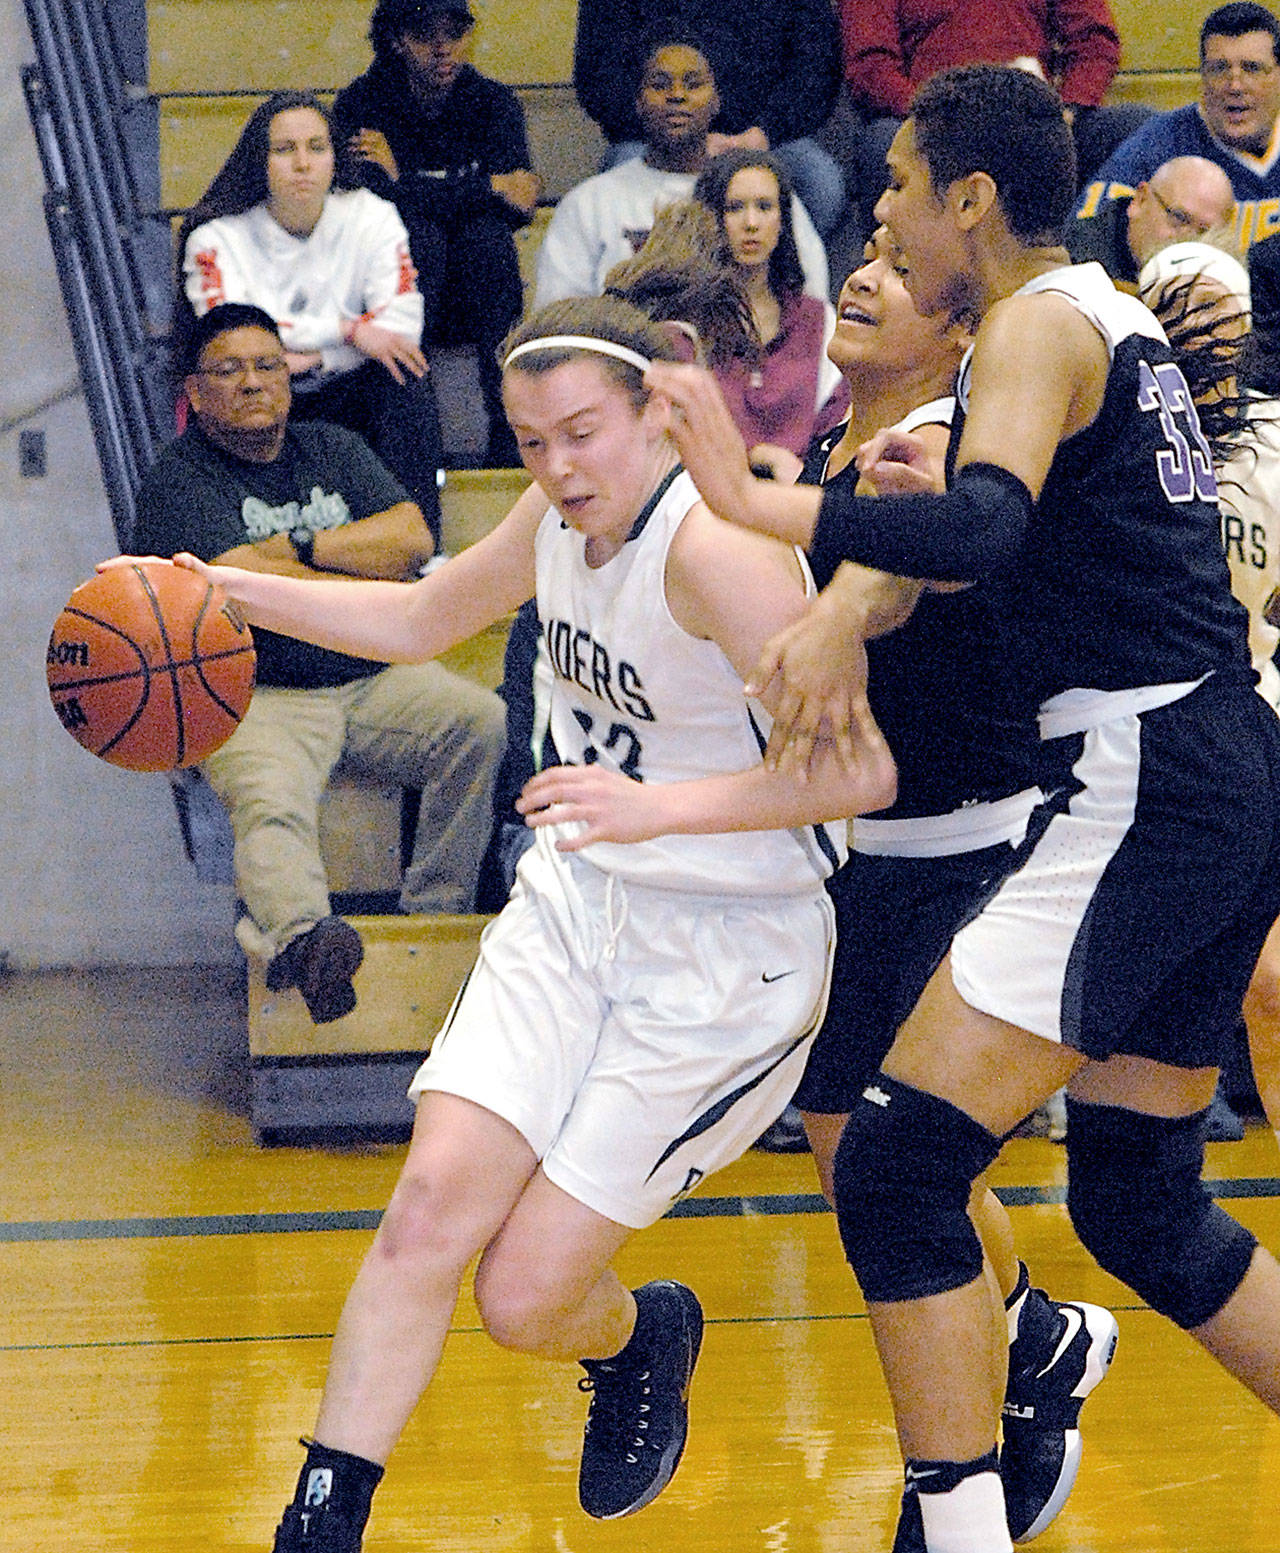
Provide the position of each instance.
(710, 445)
(813, 677)
(609, 806)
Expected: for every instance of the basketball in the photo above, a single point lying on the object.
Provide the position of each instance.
(149, 667)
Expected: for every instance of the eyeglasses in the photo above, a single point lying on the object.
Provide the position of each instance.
(1178, 219)
(266, 366)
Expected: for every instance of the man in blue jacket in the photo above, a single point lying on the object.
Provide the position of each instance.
(1233, 124)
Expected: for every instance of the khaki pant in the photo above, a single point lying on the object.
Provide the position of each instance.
(415, 724)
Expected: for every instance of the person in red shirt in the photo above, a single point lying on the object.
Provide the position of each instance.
(891, 47)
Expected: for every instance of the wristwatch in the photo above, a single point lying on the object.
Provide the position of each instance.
(304, 545)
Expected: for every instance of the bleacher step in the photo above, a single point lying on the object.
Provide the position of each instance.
(349, 1076)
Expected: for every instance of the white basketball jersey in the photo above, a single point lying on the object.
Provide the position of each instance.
(1249, 500)
(636, 692)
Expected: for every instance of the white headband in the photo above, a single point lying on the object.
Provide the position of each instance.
(580, 342)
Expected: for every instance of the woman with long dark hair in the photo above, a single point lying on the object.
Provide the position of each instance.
(283, 226)
(785, 391)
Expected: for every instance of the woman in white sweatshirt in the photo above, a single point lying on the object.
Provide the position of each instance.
(283, 227)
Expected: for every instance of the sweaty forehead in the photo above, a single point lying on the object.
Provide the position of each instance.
(298, 124)
(1247, 45)
(676, 59)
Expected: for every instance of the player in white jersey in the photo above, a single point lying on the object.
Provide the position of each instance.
(1187, 287)
(1249, 495)
(636, 1014)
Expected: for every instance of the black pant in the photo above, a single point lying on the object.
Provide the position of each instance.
(469, 276)
(399, 421)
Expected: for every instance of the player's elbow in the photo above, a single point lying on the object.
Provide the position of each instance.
(877, 785)
(884, 784)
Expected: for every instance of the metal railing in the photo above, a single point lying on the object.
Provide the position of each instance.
(78, 99)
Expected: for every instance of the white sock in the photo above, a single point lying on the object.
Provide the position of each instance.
(969, 1519)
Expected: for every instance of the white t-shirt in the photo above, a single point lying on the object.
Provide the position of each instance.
(606, 219)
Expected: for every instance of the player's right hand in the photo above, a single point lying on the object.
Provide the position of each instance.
(897, 463)
(132, 560)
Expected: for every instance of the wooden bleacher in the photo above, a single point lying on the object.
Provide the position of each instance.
(349, 1077)
(211, 61)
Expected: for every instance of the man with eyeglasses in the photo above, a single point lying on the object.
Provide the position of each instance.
(245, 486)
(1234, 123)
(1181, 201)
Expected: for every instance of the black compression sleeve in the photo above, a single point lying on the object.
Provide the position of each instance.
(971, 531)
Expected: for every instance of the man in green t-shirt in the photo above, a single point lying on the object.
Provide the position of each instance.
(244, 486)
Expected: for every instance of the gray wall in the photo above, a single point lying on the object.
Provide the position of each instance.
(93, 870)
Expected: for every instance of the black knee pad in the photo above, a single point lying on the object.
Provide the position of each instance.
(1137, 1202)
(903, 1172)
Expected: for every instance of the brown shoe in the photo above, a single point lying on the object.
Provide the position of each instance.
(320, 964)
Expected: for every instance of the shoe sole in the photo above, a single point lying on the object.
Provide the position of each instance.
(671, 1456)
(1103, 1332)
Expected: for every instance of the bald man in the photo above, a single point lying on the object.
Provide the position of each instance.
(1235, 123)
(1183, 199)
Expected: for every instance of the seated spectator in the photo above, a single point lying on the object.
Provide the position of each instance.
(785, 391)
(448, 147)
(246, 484)
(606, 219)
(282, 227)
(1182, 200)
(1233, 124)
(777, 68)
(893, 46)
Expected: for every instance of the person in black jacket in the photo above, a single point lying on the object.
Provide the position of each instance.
(777, 69)
(448, 146)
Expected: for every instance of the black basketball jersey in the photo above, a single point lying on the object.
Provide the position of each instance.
(1121, 580)
(960, 730)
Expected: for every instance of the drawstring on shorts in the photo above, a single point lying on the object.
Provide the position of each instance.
(616, 909)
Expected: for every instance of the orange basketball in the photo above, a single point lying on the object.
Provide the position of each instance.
(149, 667)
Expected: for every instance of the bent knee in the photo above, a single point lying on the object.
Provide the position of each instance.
(1138, 1204)
(518, 1312)
(904, 1171)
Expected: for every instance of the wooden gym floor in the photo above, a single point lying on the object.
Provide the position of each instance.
(167, 1291)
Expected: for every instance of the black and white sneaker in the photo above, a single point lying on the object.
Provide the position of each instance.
(315, 1529)
(1040, 1456)
(639, 1413)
